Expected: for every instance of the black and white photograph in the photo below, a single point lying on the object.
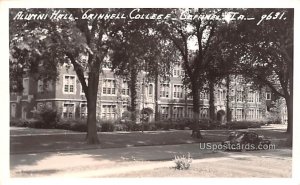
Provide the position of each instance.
(114, 93)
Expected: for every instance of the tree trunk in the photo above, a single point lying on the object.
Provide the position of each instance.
(228, 110)
(93, 81)
(196, 109)
(211, 100)
(289, 105)
(133, 93)
(156, 97)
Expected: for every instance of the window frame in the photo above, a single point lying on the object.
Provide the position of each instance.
(27, 86)
(73, 113)
(65, 83)
(110, 88)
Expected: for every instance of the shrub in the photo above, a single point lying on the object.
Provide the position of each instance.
(63, 124)
(107, 126)
(35, 123)
(121, 127)
(74, 125)
(17, 123)
(180, 124)
(243, 124)
(78, 125)
(163, 124)
(49, 115)
(183, 162)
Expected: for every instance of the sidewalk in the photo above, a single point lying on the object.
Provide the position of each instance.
(114, 161)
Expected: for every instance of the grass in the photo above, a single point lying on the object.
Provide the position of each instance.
(247, 167)
(75, 140)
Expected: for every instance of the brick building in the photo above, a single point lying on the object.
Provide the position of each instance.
(66, 96)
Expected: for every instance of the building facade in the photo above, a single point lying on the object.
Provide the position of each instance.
(174, 101)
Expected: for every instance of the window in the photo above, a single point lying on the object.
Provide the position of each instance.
(25, 86)
(251, 114)
(47, 87)
(203, 112)
(221, 95)
(150, 89)
(13, 110)
(87, 83)
(239, 114)
(69, 84)
(164, 112)
(257, 97)
(107, 65)
(109, 87)
(258, 114)
(164, 90)
(268, 96)
(68, 110)
(203, 95)
(125, 88)
(190, 112)
(83, 111)
(177, 91)
(239, 96)
(40, 106)
(24, 112)
(251, 97)
(108, 111)
(176, 72)
(189, 94)
(49, 105)
(177, 112)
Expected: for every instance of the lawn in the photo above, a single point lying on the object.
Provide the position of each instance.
(39, 140)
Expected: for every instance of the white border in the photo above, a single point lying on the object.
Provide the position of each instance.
(4, 81)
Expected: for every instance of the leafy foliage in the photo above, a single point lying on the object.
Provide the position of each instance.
(183, 162)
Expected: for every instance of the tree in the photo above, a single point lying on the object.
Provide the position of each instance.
(140, 48)
(82, 42)
(185, 33)
(266, 52)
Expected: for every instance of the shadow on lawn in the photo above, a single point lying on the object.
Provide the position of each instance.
(117, 146)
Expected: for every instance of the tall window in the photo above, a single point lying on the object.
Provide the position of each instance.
(190, 112)
(258, 113)
(251, 96)
(251, 114)
(150, 89)
(69, 84)
(68, 110)
(239, 114)
(177, 112)
(257, 97)
(164, 90)
(108, 111)
(125, 88)
(268, 96)
(177, 91)
(83, 110)
(203, 112)
(109, 87)
(164, 112)
(13, 110)
(25, 86)
(239, 96)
